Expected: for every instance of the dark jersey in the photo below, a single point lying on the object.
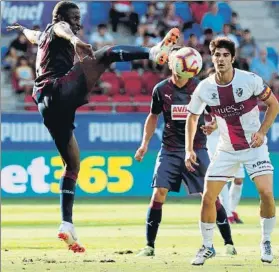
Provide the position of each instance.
(173, 101)
(55, 57)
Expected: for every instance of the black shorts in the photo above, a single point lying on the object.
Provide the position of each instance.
(59, 101)
(170, 171)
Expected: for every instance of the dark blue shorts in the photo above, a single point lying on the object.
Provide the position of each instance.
(170, 171)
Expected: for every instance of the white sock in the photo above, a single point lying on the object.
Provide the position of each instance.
(207, 230)
(235, 195)
(267, 225)
(224, 198)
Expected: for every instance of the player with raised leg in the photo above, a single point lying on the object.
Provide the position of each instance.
(63, 84)
(232, 95)
(171, 97)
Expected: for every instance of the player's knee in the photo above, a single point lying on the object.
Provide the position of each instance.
(266, 196)
(160, 194)
(238, 181)
(208, 199)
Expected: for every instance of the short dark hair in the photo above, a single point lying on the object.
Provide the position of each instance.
(61, 9)
(222, 42)
(176, 48)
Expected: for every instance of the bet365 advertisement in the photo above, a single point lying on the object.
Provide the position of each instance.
(31, 166)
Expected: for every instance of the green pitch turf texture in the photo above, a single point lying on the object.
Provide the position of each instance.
(113, 230)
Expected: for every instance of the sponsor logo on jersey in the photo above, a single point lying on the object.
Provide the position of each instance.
(178, 112)
(229, 111)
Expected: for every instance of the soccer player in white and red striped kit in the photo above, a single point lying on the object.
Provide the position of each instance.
(232, 95)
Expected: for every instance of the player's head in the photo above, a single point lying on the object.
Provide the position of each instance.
(223, 54)
(68, 12)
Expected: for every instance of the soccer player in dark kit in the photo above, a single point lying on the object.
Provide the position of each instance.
(171, 97)
(67, 70)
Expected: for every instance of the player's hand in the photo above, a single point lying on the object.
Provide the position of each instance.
(16, 27)
(140, 153)
(191, 160)
(257, 139)
(209, 128)
(83, 49)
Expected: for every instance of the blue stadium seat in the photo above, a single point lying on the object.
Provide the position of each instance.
(183, 10)
(225, 11)
(140, 7)
(4, 50)
(272, 55)
(196, 29)
(99, 12)
(123, 66)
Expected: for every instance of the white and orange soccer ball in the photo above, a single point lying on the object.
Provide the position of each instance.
(187, 62)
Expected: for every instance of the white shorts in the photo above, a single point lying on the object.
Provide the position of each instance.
(212, 142)
(224, 164)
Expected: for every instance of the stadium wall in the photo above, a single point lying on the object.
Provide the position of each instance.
(31, 167)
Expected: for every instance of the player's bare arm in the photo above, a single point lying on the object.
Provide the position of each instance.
(149, 129)
(31, 35)
(190, 132)
(63, 30)
(270, 116)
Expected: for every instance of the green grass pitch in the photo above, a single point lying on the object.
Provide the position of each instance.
(113, 230)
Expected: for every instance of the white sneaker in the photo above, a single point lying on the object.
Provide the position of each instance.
(203, 254)
(230, 250)
(67, 233)
(159, 53)
(266, 252)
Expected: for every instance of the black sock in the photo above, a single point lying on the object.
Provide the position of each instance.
(153, 220)
(67, 195)
(223, 224)
(120, 53)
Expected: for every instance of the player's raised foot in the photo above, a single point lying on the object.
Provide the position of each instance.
(230, 249)
(66, 233)
(236, 218)
(159, 53)
(203, 254)
(146, 251)
(266, 252)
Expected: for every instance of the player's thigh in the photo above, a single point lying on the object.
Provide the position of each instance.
(194, 181)
(167, 171)
(257, 161)
(223, 166)
(212, 188)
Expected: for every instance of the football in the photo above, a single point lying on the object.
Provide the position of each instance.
(187, 62)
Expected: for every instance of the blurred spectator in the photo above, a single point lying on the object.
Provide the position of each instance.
(227, 33)
(20, 44)
(235, 26)
(101, 37)
(170, 19)
(264, 67)
(23, 77)
(212, 19)
(122, 11)
(81, 34)
(147, 40)
(150, 19)
(206, 38)
(198, 9)
(248, 47)
(275, 85)
(10, 59)
(194, 43)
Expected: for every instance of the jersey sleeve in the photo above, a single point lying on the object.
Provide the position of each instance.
(156, 102)
(197, 105)
(260, 88)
